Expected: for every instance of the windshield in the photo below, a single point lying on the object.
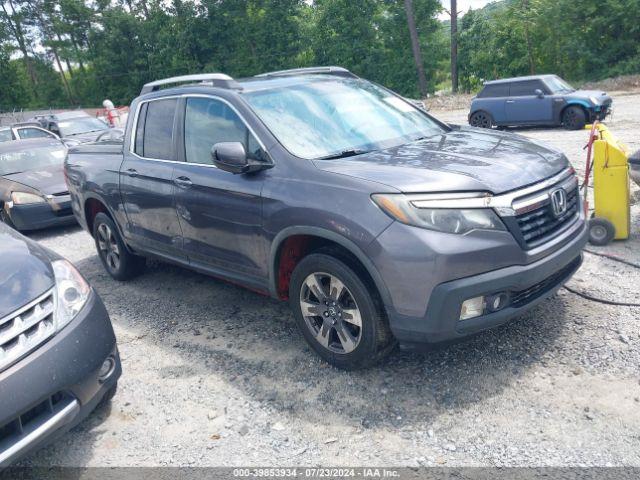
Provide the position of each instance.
(557, 85)
(79, 125)
(32, 159)
(330, 117)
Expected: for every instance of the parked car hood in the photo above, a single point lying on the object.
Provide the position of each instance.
(49, 180)
(26, 271)
(464, 159)
(587, 94)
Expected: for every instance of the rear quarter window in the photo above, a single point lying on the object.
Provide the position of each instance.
(157, 129)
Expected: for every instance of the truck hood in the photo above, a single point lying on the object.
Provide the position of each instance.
(26, 271)
(464, 159)
(49, 180)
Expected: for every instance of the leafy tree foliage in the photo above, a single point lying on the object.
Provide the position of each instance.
(78, 52)
(577, 39)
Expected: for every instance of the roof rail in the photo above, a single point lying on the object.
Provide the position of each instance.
(337, 71)
(217, 79)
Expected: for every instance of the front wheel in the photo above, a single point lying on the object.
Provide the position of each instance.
(338, 312)
(116, 259)
(481, 119)
(574, 118)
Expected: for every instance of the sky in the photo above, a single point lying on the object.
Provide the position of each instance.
(463, 6)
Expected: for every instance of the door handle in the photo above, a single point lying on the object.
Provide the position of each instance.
(183, 182)
(511, 101)
(132, 172)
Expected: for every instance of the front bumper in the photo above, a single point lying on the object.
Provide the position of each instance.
(58, 385)
(530, 284)
(55, 212)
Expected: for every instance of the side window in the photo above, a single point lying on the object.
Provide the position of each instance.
(158, 129)
(33, 133)
(497, 90)
(522, 89)
(209, 121)
(138, 148)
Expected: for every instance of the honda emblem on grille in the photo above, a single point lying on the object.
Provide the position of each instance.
(558, 201)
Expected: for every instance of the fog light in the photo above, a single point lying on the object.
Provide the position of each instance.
(497, 302)
(472, 308)
(107, 368)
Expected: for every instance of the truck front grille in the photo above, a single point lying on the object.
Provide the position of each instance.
(539, 224)
(27, 328)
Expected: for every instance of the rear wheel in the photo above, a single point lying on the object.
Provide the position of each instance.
(481, 119)
(574, 118)
(339, 314)
(116, 259)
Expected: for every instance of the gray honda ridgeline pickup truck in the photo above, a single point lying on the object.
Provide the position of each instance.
(379, 223)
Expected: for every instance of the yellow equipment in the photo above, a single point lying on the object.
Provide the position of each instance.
(611, 187)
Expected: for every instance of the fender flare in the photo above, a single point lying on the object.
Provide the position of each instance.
(93, 196)
(328, 235)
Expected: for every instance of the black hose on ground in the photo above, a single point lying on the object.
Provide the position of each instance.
(602, 300)
(613, 257)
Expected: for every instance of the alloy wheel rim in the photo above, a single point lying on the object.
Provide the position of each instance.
(331, 313)
(108, 247)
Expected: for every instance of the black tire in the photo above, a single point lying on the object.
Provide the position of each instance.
(481, 119)
(601, 231)
(371, 341)
(574, 118)
(116, 259)
(4, 218)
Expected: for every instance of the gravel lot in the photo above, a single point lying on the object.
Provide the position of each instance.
(216, 375)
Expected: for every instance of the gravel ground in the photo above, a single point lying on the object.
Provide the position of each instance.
(216, 375)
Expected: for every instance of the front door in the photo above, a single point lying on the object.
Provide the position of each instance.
(220, 213)
(525, 106)
(146, 181)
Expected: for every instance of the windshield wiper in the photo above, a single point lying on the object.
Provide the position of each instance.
(11, 173)
(351, 152)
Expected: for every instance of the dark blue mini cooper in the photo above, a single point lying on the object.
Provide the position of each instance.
(537, 100)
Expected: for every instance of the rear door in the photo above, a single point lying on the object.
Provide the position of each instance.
(146, 179)
(524, 106)
(220, 213)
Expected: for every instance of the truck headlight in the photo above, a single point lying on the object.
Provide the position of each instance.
(442, 219)
(24, 198)
(72, 292)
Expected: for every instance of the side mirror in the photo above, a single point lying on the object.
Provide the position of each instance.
(539, 93)
(232, 157)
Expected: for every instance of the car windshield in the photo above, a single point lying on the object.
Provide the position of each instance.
(75, 126)
(31, 159)
(558, 85)
(324, 118)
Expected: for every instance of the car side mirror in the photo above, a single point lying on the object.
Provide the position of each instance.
(539, 93)
(232, 157)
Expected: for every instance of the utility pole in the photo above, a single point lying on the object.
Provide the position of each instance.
(415, 46)
(454, 46)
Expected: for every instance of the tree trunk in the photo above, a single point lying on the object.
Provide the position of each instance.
(16, 29)
(454, 46)
(415, 46)
(532, 65)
